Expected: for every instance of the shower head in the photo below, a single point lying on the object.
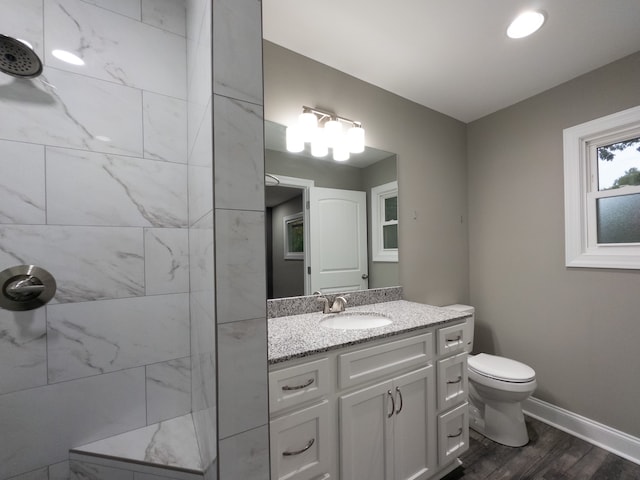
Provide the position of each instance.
(18, 59)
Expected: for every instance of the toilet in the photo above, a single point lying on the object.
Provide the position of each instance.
(497, 388)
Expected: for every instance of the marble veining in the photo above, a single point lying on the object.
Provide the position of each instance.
(53, 110)
(301, 335)
(87, 188)
(171, 443)
(89, 263)
(166, 260)
(164, 114)
(23, 350)
(51, 418)
(91, 338)
(89, 471)
(235, 65)
(239, 154)
(22, 183)
(168, 15)
(116, 48)
(168, 389)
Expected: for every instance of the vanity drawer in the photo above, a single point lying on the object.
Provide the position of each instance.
(452, 339)
(294, 385)
(453, 433)
(452, 380)
(300, 446)
(377, 362)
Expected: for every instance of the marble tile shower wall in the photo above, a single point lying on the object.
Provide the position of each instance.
(94, 188)
(240, 240)
(200, 180)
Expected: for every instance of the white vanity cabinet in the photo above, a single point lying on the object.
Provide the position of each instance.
(389, 409)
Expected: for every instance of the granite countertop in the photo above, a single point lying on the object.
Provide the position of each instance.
(299, 336)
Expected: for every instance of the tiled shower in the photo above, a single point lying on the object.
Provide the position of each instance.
(107, 181)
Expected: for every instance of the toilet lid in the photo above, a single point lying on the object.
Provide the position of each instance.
(501, 368)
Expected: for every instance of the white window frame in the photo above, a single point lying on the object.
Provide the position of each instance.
(286, 221)
(581, 192)
(378, 196)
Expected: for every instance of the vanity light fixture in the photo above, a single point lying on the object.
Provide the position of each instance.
(324, 130)
(525, 24)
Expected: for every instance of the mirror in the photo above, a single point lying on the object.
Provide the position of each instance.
(291, 247)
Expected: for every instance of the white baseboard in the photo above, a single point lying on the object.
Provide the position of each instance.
(610, 439)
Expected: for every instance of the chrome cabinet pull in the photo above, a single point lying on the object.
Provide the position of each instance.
(401, 401)
(452, 340)
(287, 388)
(302, 450)
(393, 404)
(457, 380)
(456, 434)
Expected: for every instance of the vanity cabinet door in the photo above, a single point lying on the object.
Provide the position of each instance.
(300, 445)
(414, 428)
(366, 433)
(388, 431)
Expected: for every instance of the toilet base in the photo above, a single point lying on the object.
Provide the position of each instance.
(501, 422)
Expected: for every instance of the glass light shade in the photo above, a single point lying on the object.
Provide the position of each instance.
(333, 131)
(341, 151)
(308, 123)
(319, 147)
(294, 140)
(525, 24)
(355, 139)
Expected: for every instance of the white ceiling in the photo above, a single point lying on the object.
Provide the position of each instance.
(453, 55)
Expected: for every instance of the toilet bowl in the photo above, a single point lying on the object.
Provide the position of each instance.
(497, 388)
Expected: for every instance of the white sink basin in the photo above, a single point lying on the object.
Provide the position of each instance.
(355, 320)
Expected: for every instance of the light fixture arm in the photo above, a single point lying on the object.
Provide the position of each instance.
(324, 116)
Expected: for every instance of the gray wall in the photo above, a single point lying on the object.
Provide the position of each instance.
(431, 149)
(288, 275)
(323, 173)
(381, 274)
(578, 328)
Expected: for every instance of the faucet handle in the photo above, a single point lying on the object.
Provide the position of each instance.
(339, 304)
(325, 304)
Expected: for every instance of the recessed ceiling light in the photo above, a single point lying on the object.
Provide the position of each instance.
(67, 57)
(525, 24)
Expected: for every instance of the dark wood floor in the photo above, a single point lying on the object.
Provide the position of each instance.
(550, 455)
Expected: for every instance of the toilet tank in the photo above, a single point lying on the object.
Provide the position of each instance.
(469, 325)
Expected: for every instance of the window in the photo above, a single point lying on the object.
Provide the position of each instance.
(294, 236)
(384, 222)
(602, 192)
